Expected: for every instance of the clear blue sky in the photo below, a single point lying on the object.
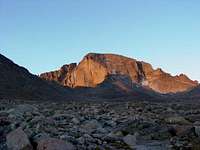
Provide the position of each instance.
(42, 35)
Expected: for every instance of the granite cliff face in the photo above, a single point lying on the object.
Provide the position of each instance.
(95, 68)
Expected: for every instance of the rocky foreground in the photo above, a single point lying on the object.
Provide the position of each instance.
(99, 126)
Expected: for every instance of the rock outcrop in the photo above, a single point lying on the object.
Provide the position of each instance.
(95, 68)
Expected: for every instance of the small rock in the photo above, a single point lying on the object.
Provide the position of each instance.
(75, 121)
(88, 138)
(81, 140)
(130, 140)
(180, 130)
(176, 120)
(197, 130)
(91, 125)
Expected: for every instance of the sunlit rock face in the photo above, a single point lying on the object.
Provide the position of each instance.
(94, 68)
(62, 76)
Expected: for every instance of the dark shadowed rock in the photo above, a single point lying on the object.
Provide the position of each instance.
(117, 87)
(193, 94)
(17, 83)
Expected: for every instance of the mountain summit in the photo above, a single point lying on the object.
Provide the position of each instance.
(95, 68)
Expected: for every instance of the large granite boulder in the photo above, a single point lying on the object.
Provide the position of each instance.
(18, 140)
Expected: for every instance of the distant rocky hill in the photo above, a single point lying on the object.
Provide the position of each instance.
(95, 68)
(17, 83)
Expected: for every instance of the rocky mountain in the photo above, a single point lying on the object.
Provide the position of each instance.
(17, 83)
(96, 77)
(116, 118)
(95, 68)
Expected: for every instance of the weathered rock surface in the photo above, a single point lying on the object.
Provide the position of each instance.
(18, 140)
(130, 140)
(54, 144)
(95, 68)
(176, 120)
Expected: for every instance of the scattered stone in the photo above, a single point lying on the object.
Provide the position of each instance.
(91, 125)
(75, 121)
(130, 140)
(177, 120)
(197, 130)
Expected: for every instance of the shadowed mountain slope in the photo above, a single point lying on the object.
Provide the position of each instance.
(120, 88)
(191, 95)
(16, 82)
